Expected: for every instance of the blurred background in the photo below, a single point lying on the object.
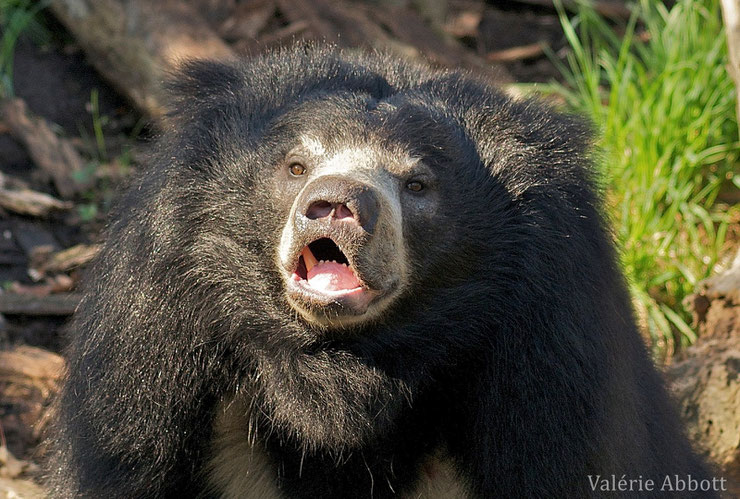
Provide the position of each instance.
(81, 96)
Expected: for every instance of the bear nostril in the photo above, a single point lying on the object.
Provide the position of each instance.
(332, 199)
(341, 211)
(319, 209)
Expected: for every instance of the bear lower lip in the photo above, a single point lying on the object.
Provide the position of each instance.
(306, 287)
(354, 301)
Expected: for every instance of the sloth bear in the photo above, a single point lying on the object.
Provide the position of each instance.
(345, 276)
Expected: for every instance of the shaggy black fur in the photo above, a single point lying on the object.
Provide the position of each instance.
(513, 346)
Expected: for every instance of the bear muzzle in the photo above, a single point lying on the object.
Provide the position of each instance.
(334, 268)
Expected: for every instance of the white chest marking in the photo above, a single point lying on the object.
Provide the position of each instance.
(239, 467)
(439, 480)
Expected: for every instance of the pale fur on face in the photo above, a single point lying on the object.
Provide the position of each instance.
(374, 166)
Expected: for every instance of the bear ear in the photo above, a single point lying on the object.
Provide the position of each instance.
(198, 83)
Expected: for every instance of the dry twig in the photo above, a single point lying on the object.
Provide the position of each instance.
(54, 155)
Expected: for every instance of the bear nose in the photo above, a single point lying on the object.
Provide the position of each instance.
(340, 199)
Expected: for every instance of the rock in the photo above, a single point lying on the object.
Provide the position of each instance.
(706, 381)
(20, 489)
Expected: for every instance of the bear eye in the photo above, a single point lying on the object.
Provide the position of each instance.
(297, 169)
(415, 186)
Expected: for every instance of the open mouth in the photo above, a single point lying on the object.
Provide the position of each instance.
(325, 270)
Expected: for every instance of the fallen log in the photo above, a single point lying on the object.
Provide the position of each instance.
(60, 304)
(28, 202)
(135, 43)
(56, 156)
(65, 260)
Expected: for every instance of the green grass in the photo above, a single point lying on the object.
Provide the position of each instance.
(665, 106)
(16, 17)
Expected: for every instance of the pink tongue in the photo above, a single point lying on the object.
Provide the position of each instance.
(332, 276)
